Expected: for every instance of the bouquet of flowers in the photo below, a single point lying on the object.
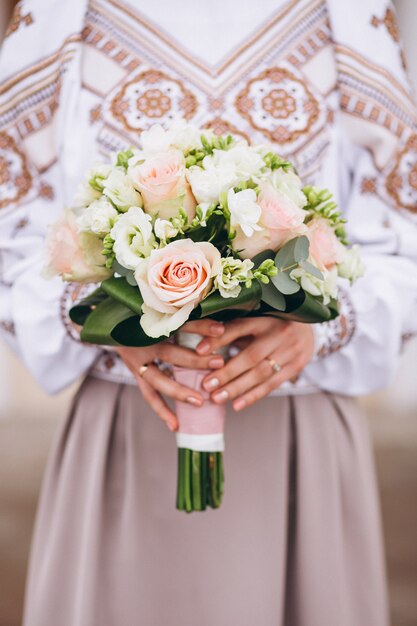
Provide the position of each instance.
(194, 225)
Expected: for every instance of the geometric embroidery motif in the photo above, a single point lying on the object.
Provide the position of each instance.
(401, 182)
(15, 179)
(279, 104)
(152, 97)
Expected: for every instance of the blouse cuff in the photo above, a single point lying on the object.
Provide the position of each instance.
(329, 337)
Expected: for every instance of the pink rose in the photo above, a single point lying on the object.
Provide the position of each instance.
(325, 248)
(172, 281)
(281, 220)
(162, 182)
(72, 255)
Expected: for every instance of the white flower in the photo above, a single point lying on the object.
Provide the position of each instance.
(290, 185)
(85, 195)
(326, 288)
(244, 210)
(207, 184)
(98, 218)
(187, 136)
(232, 273)
(243, 160)
(351, 267)
(133, 237)
(156, 139)
(164, 229)
(119, 188)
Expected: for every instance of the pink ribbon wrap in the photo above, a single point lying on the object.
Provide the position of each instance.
(199, 424)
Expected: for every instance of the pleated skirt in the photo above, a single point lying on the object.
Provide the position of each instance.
(296, 542)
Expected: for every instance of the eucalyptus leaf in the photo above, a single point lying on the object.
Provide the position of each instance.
(273, 297)
(284, 283)
(311, 269)
(301, 248)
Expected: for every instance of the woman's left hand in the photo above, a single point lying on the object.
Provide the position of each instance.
(274, 351)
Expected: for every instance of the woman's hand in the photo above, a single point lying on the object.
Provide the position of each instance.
(152, 382)
(273, 351)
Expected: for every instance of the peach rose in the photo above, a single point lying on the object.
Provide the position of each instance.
(73, 255)
(172, 281)
(281, 220)
(325, 248)
(163, 185)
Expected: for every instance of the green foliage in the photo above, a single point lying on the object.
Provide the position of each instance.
(107, 251)
(320, 202)
(274, 162)
(123, 158)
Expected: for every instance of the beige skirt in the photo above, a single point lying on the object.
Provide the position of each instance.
(296, 542)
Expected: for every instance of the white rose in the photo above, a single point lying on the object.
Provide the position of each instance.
(209, 182)
(290, 185)
(119, 188)
(326, 288)
(164, 229)
(351, 267)
(233, 272)
(133, 237)
(244, 210)
(98, 218)
(243, 160)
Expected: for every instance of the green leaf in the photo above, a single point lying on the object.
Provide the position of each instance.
(285, 284)
(292, 252)
(247, 300)
(120, 290)
(79, 312)
(112, 323)
(312, 269)
(273, 297)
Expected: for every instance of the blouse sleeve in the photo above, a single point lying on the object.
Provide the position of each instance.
(39, 83)
(359, 351)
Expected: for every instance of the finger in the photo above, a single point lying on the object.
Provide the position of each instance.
(265, 388)
(257, 351)
(240, 385)
(233, 330)
(252, 377)
(207, 327)
(183, 357)
(170, 387)
(157, 403)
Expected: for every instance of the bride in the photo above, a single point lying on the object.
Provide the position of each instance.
(297, 541)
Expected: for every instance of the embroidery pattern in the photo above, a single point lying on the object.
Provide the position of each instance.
(279, 104)
(152, 96)
(15, 178)
(401, 182)
(18, 19)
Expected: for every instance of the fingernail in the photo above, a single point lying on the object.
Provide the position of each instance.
(239, 404)
(211, 384)
(171, 426)
(216, 362)
(217, 329)
(203, 348)
(221, 396)
(193, 400)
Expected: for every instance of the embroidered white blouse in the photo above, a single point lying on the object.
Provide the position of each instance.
(324, 80)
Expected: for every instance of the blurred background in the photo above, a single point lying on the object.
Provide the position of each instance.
(28, 419)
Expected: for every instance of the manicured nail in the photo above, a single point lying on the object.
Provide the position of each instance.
(193, 400)
(217, 329)
(221, 396)
(239, 404)
(204, 348)
(211, 384)
(171, 426)
(217, 361)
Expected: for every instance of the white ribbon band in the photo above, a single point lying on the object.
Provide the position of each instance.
(201, 443)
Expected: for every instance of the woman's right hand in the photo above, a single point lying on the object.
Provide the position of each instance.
(153, 382)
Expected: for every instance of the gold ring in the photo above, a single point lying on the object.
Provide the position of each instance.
(142, 370)
(275, 366)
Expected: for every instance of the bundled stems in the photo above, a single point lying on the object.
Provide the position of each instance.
(200, 480)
